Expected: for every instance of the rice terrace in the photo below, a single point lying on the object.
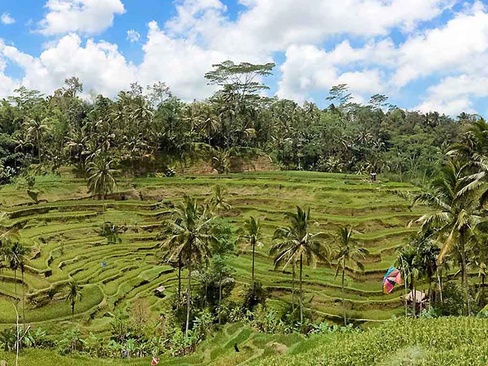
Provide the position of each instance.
(243, 182)
(64, 232)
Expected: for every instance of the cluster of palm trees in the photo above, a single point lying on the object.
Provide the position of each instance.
(190, 235)
(454, 232)
(296, 244)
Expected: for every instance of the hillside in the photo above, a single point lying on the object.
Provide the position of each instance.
(63, 229)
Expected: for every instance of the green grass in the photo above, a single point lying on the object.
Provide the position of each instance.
(427, 342)
(64, 228)
(432, 342)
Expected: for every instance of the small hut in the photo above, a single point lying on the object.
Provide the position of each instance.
(159, 292)
(420, 298)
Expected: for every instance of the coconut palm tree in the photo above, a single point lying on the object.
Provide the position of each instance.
(426, 260)
(296, 244)
(190, 240)
(15, 257)
(74, 294)
(218, 201)
(36, 128)
(456, 216)
(101, 180)
(406, 263)
(348, 253)
(251, 235)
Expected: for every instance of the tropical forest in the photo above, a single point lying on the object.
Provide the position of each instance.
(243, 228)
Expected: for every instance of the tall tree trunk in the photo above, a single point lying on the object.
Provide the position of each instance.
(343, 298)
(439, 280)
(179, 281)
(39, 151)
(188, 296)
(464, 273)
(406, 293)
(252, 269)
(220, 297)
(301, 293)
(414, 295)
(482, 289)
(23, 299)
(293, 287)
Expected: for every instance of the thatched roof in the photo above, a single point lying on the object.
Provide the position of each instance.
(419, 297)
(160, 289)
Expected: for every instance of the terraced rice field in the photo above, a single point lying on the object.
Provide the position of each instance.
(63, 231)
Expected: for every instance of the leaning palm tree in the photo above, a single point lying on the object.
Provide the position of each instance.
(297, 244)
(348, 253)
(252, 236)
(456, 215)
(190, 240)
(74, 294)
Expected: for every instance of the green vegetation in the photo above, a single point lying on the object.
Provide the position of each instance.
(64, 237)
(103, 227)
(442, 342)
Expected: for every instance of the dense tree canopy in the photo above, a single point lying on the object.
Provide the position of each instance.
(148, 129)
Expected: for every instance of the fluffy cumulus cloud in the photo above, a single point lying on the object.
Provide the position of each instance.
(6, 19)
(99, 65)
(84, 16)
(374, 46)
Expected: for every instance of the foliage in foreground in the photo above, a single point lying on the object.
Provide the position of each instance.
(442, 341)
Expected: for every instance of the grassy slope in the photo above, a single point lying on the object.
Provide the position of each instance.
(218, 350)
(432, 342)
(64, 228)
(427, 342)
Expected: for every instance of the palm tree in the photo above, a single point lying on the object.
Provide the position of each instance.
(348, 253)
(455, 217)
(218, 200)
(36, 128)
(252, 236)
(426, 260)
(74, 294)
(15, 256)
(406, 263)
(190, 240)
(101, 179)
(297, 244)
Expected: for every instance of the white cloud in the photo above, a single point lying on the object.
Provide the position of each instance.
(462, 41)
(100, 66)
(84, 16)
(6, 19)
(7, 84)
(180, 51)
(309, 69)
(454, 94)
(133, 36)
(274, 25)
(178, 62)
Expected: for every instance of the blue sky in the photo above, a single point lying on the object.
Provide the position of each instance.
(424, 54)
